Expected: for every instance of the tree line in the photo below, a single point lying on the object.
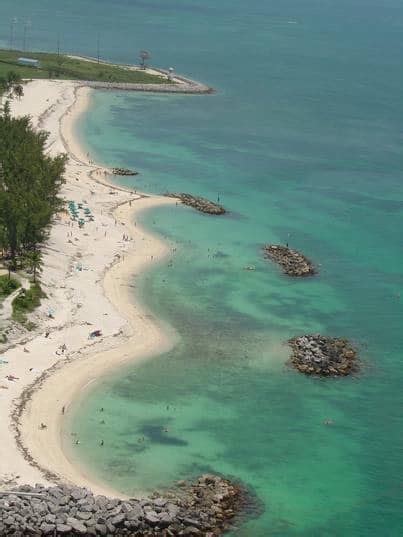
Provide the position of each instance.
(30, 183)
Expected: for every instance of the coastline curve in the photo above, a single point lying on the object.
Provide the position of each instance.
(137, 336)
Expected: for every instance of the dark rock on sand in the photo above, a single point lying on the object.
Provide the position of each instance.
(201, 204)
(323, 356)
(292, 262)
(123, 171)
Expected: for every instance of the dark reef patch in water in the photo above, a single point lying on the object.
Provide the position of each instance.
(160, 435)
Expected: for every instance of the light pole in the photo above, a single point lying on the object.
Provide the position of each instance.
(12, 31)
(98, 49)
(27, 25)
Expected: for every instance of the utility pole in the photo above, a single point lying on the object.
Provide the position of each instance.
(98, 53)
(12, 31)
(27, 24)
(59, 59)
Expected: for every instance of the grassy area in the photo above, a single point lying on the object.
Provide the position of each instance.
(65, 68)
(26, 302)
(7, 286)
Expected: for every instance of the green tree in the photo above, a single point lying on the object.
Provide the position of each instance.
(30, 183)
(34, 261)
(13, 78)
(6, 109)
(18, 90)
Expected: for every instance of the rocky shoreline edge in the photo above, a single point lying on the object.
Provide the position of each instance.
(292, 262)
(323, 356)
(206, 507)
(197, 202)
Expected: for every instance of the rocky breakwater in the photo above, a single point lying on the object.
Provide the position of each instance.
(292, 262)
(205, 507)
(124, 171)
(323, 356)
(197, 202)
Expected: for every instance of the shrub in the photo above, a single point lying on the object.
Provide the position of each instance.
(26, 302)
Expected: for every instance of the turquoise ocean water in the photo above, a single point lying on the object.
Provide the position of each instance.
(303, 144)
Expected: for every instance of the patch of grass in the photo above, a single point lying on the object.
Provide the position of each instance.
(65, 68)
(7, 286)
(26, 302)
(3, 338)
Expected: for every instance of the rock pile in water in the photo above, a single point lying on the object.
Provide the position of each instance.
(201, 204)
(123, 171)
(292, 262)
(203, 508)
(323, 356)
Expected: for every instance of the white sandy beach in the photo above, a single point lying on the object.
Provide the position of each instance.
(88, 279)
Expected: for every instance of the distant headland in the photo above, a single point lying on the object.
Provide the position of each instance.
(95, 73)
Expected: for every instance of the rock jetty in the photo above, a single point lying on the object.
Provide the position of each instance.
(323, 356)
(204, 508)
(292, 262)
(201, 204)
(123, 171)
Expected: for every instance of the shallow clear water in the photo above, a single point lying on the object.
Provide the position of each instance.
(303, 143)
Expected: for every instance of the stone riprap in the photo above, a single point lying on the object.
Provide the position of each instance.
(197, 202)
(323, 356)
(292, 262)
(124, 171)
(186, 88)
(205, 507)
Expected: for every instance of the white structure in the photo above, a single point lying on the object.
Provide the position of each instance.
(171, 73)
(29, 62)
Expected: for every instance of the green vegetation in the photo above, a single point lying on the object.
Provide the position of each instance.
(11, 82)
(7, 286)
(66, 68)
(30, 182)
(34, 262)
(26, 302)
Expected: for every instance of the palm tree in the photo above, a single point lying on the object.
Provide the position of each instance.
(13, 78)
(34, 261)
(18, 90)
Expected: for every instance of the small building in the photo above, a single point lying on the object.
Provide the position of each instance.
(29, 62)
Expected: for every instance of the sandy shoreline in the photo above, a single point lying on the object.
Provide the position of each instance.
(88, 279)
